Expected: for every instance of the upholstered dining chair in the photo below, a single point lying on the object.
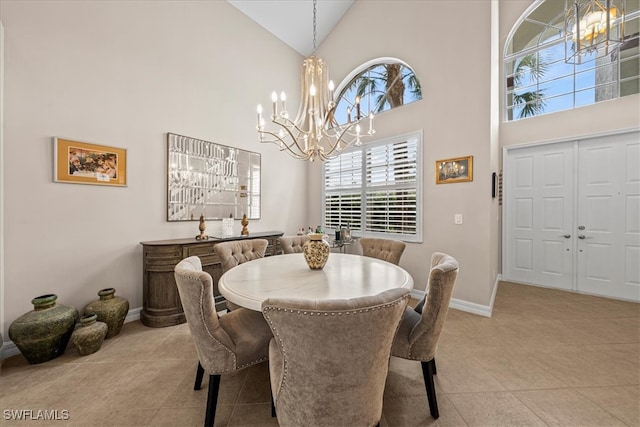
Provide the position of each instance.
(293, 244)
(384, 249)
(329, 359)
(224, 344)
(420, 328)
(237, 252)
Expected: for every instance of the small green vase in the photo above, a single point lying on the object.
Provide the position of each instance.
(110, 309)
(43, 334)
(89, 334)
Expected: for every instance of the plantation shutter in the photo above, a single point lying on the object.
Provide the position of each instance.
(343, 191)
(391, 172)
(374, 189)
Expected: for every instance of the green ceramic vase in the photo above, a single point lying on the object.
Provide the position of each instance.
(89, 334)
(43, 334)
(110, 309)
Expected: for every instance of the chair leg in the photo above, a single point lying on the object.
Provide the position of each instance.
(199, 375)
(212, 400)
(427, 373)
(435, 370)
(273, 407)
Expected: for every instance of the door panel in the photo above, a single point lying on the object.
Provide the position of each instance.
(608, 205)
(540, 215)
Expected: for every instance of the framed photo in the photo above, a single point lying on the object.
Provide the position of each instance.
(450, 171)
(83, 163)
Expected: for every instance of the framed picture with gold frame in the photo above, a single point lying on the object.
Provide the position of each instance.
(450, 171)
(84, 163)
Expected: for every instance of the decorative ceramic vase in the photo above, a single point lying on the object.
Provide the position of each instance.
(316, 251)
(43, 334)
(110, 309)
(89, 334)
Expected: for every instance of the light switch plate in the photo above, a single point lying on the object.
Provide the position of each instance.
(457, 219)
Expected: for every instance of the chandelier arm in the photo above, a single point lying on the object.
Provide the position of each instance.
(284, 145)
(288, 125)
(339, 139)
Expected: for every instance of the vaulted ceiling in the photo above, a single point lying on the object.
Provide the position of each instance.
(292, 21)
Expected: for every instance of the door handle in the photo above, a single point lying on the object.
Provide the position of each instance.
(582, 237)
(566, 236)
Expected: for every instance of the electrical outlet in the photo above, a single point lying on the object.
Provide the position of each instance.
(457, 219)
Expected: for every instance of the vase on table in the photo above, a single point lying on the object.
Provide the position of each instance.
(89, 334)
(316, 251)
(109, 309)
(43, 333)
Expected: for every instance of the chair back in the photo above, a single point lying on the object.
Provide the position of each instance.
(238, 251)
(426, 333)
(384, 249)
(293, 244)
(329, 359)
(214, 346)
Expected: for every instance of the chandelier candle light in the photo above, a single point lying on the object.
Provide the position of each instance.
(315, 133)
(591, 25)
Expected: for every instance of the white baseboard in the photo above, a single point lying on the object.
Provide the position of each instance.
(9, 349)
(417, 294)
(469, 307)
(133, 315)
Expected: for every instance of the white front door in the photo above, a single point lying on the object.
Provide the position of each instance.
(540, 215)
(608, 222)
(572, 215)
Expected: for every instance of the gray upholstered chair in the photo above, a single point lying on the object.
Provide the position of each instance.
(385, 249)
(420, 328)
(224, 344)
(237, 252)
(292, 244)
(329, 359)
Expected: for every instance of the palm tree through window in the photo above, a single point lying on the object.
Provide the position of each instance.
(540, 81)
(380, 85)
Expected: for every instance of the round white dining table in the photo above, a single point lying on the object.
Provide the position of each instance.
(288, 276)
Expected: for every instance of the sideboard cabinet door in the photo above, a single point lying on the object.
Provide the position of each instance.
(161, 302)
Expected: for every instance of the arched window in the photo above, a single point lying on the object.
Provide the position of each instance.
(540, 81)
(381, 84)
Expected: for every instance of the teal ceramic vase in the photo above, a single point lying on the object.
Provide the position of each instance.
(43, 334)
(110, 309)
(89, 334)
(316, 251)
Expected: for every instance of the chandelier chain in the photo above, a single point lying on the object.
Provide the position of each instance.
(314, 26)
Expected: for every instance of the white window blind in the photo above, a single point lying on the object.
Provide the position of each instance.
(375, 189)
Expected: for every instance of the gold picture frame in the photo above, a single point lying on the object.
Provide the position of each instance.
(459, 169)
(84, 163)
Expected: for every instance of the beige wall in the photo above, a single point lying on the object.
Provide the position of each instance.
(124, 74)
(461, 114)
(454, 69)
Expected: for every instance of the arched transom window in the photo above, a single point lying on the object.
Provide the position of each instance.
(380, 85)
(540, 81)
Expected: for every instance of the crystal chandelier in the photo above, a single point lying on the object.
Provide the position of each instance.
(592, 27)
(315, 133)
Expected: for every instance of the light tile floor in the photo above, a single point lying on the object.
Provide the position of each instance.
(545, 357)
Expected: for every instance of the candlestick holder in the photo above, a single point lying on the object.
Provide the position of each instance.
(202, 227)
(244, 222)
